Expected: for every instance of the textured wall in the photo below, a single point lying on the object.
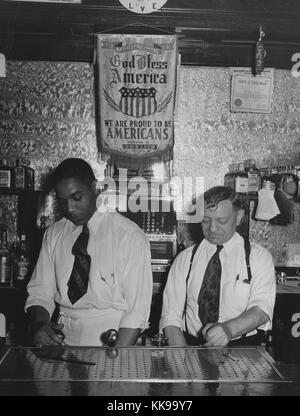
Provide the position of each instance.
(47, 113)
(209, 137)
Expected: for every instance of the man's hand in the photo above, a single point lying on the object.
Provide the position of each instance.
(216, 335)
(45, 334)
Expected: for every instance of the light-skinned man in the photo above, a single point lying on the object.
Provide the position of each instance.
(217, 299)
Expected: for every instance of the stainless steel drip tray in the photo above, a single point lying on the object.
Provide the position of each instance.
(139, 364)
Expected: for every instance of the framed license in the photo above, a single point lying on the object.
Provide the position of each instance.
(251, 93)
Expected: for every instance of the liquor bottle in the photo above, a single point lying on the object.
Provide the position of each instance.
(241, 180)
(5, 264)
(296, 172)
(2, 331)
(19, 176)
(22, 263)
(228, 174)
(29, 183)
(14, 250)
(39, 237)
(6, 175)
(286, 181)
(254, 176)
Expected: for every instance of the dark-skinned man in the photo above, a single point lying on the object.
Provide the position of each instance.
(94, 265)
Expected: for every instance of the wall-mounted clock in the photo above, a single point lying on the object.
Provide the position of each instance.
(143, 6)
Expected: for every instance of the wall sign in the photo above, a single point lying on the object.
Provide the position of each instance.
(143, 6)
(251, 93)
(137, 88)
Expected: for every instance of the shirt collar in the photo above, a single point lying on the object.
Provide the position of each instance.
(228, 246)
(93, 222)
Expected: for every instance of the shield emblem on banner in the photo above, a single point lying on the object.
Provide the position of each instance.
(138, 102)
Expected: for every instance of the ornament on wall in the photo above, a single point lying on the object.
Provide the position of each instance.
(260, 53)
(143, 6)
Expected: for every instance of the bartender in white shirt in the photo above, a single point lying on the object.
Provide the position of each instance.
(118, 288)
(245, 304)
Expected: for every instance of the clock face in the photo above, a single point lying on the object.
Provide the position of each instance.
(143, 6)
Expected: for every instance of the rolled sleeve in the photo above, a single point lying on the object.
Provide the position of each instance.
(137, 281)
(174, 293)
(263, 290)
(42, 285)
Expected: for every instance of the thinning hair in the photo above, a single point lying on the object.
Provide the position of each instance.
(73, 168)
(214, 195)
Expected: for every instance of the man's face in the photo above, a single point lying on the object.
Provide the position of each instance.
(219, 225)
(77, 199)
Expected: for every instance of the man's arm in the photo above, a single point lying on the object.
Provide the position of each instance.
(174, 336)
(127, 336)
(137, 288)
(40, 303)
(174, 301)
(220, 334)
(41, 330)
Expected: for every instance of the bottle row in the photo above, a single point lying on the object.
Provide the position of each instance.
(246, 178)
(15, 261)
(19, 177)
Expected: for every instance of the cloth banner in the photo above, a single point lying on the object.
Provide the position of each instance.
(137, 84)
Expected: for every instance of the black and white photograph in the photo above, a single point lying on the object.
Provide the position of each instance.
(150, 201)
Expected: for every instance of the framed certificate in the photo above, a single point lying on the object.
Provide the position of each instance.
(251, 93)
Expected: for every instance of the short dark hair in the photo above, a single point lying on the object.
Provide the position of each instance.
(214, 195)
(73, 168)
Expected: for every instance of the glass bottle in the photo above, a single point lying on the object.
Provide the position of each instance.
(254, 176)
(14, 250)
(19, 176)
(5, 263)
(2, 330)
(22, 263)
(6, 175)
(228, 174)
(296, 172)
(241, 180)
(29, 175)
(286, 180)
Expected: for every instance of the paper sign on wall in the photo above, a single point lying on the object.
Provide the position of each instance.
(251, 93)
(2, 65)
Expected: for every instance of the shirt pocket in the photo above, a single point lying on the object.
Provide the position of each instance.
(109, 286)
(241, 295)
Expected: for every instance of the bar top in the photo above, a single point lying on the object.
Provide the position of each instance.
(142, 371)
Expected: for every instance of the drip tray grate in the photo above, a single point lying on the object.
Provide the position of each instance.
(249, 364)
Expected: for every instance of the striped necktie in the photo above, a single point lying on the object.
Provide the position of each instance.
(78, 282)
(209, 295)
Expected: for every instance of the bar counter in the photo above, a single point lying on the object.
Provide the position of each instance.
(145, 371)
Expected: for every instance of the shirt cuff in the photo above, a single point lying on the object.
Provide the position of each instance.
(267, 311)
(133, 321)
(41, 302)
(170, 321)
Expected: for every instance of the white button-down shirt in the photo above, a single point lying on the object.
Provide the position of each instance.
(236, 295)
(120, 273)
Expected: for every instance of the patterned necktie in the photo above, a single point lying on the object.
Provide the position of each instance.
(78, 282)
(209, 295)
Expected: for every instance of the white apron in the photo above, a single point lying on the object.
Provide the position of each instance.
(85, 327)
